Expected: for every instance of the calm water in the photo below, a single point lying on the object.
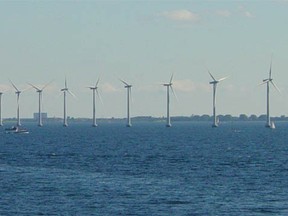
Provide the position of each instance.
(189, 169)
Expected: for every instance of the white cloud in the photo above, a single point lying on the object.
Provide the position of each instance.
(189, 86)
(245, 12)
(4, 88)
(181, 15)
(107, 87)
(223, 13)
(248, 14)
(184, 85)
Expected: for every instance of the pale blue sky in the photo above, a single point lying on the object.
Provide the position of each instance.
(144, 42)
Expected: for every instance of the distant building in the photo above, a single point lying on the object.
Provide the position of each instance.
(36, 116)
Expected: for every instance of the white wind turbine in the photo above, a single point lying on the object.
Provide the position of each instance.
(95, 90)
(17, 92)
(39, 91)
(214, 83)
(65, 90)
(128, 102)
(169, 86)
(269, 124)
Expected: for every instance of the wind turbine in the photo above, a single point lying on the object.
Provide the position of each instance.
(17, 92)
(169, 86)
(39, 91)
(128, 102)
(214, 83)
(95, 90)
(65, 90)
(269, 124)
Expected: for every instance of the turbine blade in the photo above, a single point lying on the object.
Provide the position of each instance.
(173, 92)
(171, 78)
(47, 84)
(264, 82)
(212, 76)
(97, 82)
(222, 79)
(14, 86)
(71, 93)
(65, 83)
(276, 87)
(34, 86)
(270, 72)
(124, 82)
(99, 96)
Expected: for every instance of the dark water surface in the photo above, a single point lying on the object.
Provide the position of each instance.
(189, 169)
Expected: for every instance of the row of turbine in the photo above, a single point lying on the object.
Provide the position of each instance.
(168, 85)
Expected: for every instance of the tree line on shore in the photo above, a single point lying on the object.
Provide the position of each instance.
(205, 117)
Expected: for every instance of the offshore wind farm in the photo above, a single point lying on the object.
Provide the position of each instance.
(108, 136)
(157, 43)
(168, 86)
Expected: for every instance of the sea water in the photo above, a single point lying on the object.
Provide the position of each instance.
(148, 169)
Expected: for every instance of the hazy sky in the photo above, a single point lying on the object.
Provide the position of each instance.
(144, 42)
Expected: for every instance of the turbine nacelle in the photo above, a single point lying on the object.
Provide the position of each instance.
(214, 82)
(93, 88)
(270, 80)
(65, 89)
(126, 84)
(39, 90)
(168, 84)
(267, 80)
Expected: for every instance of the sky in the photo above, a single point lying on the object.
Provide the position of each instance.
(144, 43)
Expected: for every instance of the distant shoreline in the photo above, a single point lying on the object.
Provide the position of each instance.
(194, 118)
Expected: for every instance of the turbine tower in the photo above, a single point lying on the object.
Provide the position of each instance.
(1, 123)
(65, 90)
(95, 90)
(269, 124)
(17, 92)
(128, 102)
(39, 91)
(169, 86)
(214, 83)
